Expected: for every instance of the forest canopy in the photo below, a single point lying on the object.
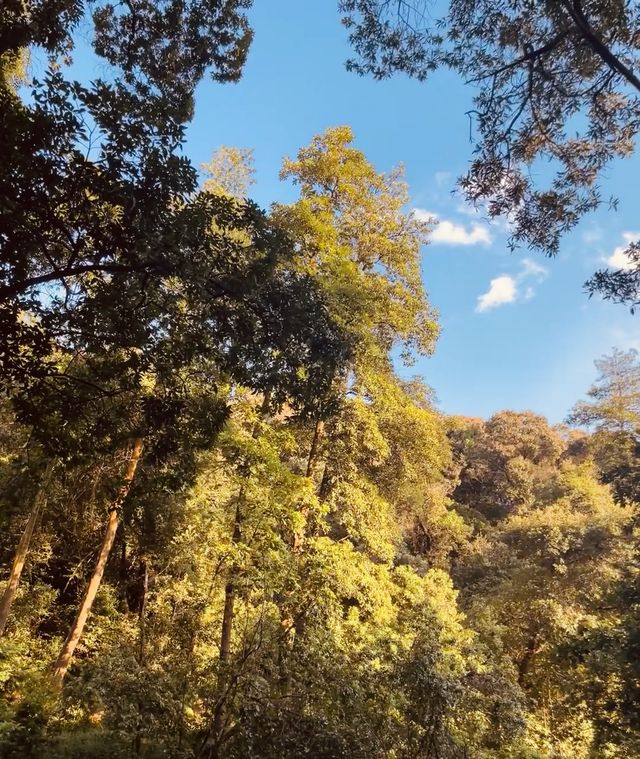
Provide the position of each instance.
(230, 524)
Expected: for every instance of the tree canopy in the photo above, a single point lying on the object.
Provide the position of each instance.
(231, 525)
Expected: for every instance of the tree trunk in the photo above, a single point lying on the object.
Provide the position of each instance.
(312, 467)
(289, 626)
(64, 658)
(318, 434)
(22, 550)
(524, 665)
(214, 739)
(143, 612)
(137, 743)
(211, 746)
(230, 593)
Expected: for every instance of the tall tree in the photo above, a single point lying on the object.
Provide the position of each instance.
(614, 398)
(613, 411)
(363, 246)
(91, 174)
(503, 461)
(230, 171)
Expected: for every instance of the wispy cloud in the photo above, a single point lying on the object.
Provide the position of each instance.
(625, 338)
(619, 259)
(532, 269)
(443, 178)
(446, 232)
(507, 288)
(592, 235)
(469, 209)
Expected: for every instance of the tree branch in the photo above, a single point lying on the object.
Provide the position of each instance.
(577, 15)
(16, 288)
(529, 56)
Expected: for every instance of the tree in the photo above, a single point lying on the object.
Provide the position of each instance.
(554, 81)
(163, 48)
(91, 177)
(230, 171)
(614, 403)
(502, 462)
(364, 248)
(364, 469)
(61, 664)
(536, 588)
(613, 410)
(22, 550)
(116, 266)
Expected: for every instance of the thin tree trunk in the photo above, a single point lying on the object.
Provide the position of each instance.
(230, 588)
(524, 665)
(143, 611)
(289, 626)
(69, 646)
(141, 648)
(22, 550)
(318, 434)
(211, 746)
(312, 467)
(325, 484)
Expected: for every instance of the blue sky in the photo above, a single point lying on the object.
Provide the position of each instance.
(531, 341)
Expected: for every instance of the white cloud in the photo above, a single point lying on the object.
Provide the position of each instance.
(619, 259)
(448, 232)
(501, 290)
(532, 269)
(506, 288)
(425, 216)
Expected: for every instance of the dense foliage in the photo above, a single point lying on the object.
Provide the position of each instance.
(229, 526)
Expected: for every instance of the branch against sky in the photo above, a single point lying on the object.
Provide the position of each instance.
(557, 98)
